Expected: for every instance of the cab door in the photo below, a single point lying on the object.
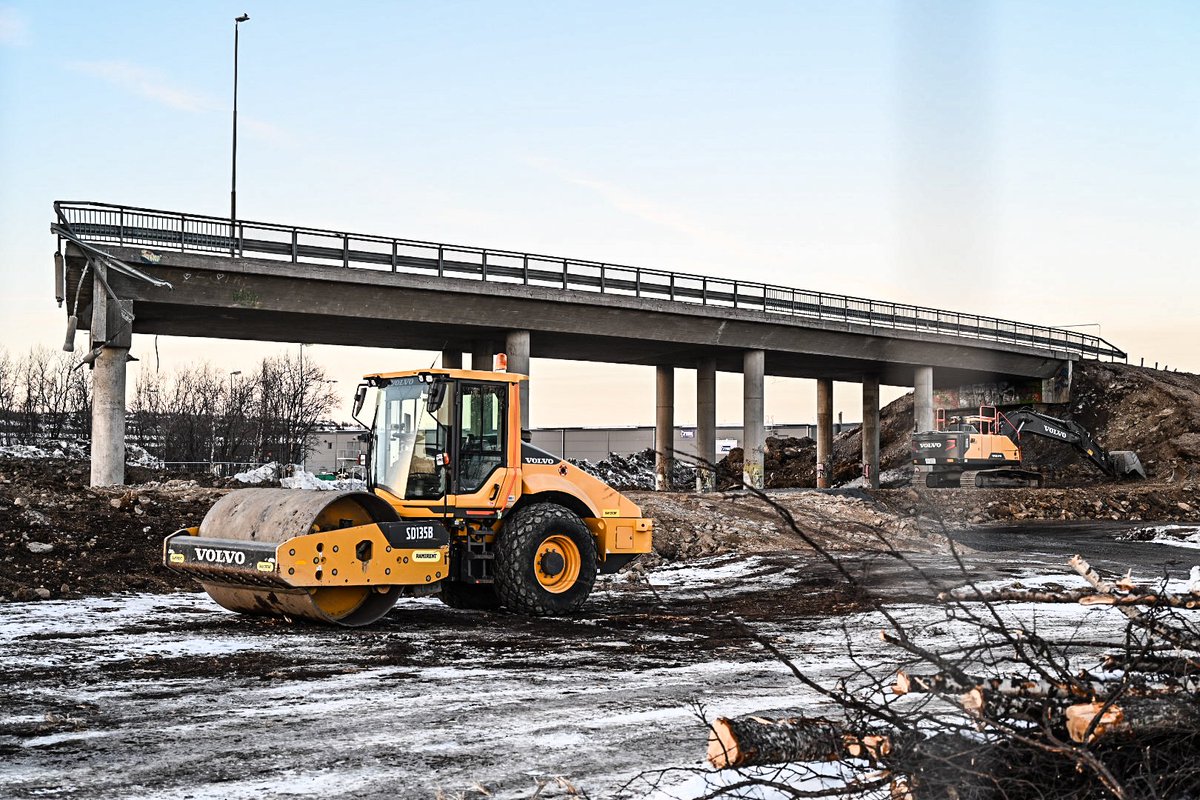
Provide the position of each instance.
(482, 476)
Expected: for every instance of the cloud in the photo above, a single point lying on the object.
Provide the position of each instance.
(640, 207)
(147, 83)
(154, 86)
(14, 30)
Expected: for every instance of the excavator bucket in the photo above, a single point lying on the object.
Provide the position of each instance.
(1126, 464)
(333, 557)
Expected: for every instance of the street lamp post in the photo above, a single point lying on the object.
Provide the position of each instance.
(233, 175)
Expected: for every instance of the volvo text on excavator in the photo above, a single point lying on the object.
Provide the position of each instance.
(984, 450)
(459, 505)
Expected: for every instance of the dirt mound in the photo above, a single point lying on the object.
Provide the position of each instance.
(895, 442)
(1156, 414)
(62, 539)
(789, 462)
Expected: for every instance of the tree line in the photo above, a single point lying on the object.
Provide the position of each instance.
(195, 413)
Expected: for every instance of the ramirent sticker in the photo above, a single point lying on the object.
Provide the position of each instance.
(427, 555)
(176, 558)
(612, 512)
(266, 566)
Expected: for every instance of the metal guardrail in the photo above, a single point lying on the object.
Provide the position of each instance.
(131, 226)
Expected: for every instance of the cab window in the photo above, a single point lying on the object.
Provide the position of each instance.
(483, 412)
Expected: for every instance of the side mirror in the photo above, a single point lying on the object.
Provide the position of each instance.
(437, 395)
(360, 397)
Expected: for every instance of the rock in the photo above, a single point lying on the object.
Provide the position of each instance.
(39, 547)
(42, 592)
(20, 502)
(1184, 506)
(115, 502)
(64, 589)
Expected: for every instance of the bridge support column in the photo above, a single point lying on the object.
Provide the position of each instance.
(108, 417)
(482, 354)
(112, 333)
(824, 433)
(451, 359)
(664, 427)
(706, 424)
(923, 399)
(516, 347)
(870, 431)
(753, 412)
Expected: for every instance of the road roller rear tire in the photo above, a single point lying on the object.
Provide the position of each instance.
(546, 561)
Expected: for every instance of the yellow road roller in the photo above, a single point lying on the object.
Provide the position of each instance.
(459, 505)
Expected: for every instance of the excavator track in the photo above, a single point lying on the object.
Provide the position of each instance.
(232, 554)
(1001, 478)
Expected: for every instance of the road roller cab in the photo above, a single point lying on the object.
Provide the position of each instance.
(459, 504)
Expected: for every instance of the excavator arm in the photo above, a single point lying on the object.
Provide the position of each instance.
(1117, 464)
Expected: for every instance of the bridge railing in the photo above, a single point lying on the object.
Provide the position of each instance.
(142, 227)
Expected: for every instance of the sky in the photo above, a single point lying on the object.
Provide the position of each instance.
(1026, 160)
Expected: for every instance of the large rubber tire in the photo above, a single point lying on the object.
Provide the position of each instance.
(477, 597)
(538, 529)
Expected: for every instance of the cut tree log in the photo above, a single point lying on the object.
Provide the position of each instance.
(752, 741)
(1135, 716)
(1176, 636)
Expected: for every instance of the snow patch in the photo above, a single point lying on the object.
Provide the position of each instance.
(1175, 535)
(309, 481)
(267, 472)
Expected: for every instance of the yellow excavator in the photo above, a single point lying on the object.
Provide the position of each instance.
(458, 505)
(983, 450)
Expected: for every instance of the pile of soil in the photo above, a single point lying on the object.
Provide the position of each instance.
(688, 525)
(1154, 413)
(788, 462)
(1178, 501)
(60, 538)
(895, 442)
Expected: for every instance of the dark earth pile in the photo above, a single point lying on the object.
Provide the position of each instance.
(61, 539)
(1154, 413)
(788, 462)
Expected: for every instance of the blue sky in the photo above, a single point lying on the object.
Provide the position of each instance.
(1033, 161)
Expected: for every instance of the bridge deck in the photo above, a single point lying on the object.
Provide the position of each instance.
(360, 254)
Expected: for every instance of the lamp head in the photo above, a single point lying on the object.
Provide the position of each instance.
(242, 18)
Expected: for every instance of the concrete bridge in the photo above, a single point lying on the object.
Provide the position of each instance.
(122, 270)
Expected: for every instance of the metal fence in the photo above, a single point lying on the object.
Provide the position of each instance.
(135, 227)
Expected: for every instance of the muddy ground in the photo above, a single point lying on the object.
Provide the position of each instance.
(61, 539)
(166, 695)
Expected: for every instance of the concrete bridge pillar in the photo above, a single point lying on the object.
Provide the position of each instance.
(516, 346)
(112, 333)
(451, 359)
(108, 417)
(753, 412)
(706, 424)
(664, 427)
(870, 431)
(923, 399)
(482, 354)
(824, 433)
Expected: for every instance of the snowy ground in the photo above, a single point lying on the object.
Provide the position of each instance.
(157, 696)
